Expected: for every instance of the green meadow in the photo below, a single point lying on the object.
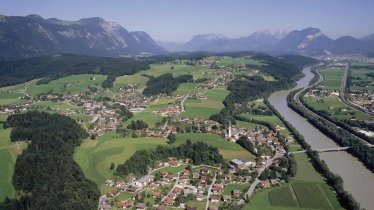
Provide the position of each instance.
(333, 78)
(8, 156)
(360, 79)
(204, 108)
(95, 156)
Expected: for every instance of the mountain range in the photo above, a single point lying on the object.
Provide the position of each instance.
(32, 35)
(309, 41)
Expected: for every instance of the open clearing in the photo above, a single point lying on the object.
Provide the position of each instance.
(8, 155)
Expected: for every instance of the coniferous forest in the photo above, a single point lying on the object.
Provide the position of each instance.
(45, 172)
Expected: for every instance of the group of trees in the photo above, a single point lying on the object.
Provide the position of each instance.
(137, 125)
(345, 199)
(53, 67)
(164, 84)
(199, 153)
(45, 172)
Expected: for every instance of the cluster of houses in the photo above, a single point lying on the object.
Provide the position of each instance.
(257, 137)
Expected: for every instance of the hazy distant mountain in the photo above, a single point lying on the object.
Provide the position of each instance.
(306, 41)
(32, 35)
(171, 46)
(309, 41)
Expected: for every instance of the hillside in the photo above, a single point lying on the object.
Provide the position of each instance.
(33, 35)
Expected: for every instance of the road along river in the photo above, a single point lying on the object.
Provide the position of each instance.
(358, 180)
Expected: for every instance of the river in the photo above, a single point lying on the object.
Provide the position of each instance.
(358, 180)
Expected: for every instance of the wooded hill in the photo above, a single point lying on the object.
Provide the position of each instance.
(46, 172)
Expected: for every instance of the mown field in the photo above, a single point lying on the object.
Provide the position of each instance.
(226, 62)
(272, 119)
(307, 190)
(8, 155)
(229, 150)
(95, 156)
(204, 108)
(333, 78)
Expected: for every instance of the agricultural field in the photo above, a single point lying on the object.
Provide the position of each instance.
(229, 150)
(11, 98)
(333, 78)
(204, 108)
(95, 156)
(361, 78)
(307, 190)
(8, 155)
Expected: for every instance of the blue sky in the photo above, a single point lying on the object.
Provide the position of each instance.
(179, 20)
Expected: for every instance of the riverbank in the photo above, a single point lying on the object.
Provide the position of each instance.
(358, 180)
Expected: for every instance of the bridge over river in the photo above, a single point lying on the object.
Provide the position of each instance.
(331, 149)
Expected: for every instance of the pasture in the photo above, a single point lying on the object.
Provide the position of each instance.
(204, 108)
(95, 156)
(333, 78)
(230, 187)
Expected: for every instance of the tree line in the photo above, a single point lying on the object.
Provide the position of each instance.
(53, 67)
(45, 172)
(164, 84)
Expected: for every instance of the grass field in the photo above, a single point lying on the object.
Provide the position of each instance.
(172, 170)
(95, 156)
(8, 155)
(272, 119)
(230, 187)
(204, 108)
(333, 78)
(308, 182)
(229, 150)
(200, 205)
(11, 98)
(248, 125)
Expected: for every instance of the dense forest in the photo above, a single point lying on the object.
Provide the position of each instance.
(53, 67)
(45, 172)
(165, 84)
(246, 88)
(346, 200)
(199, 153)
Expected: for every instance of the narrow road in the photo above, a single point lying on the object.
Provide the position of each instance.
(251, 189)
(210, 191)
(298, 101)
(175, 184)
(182, 102)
